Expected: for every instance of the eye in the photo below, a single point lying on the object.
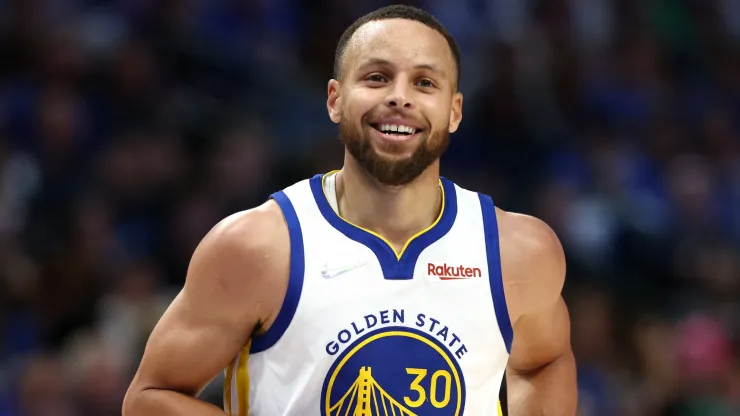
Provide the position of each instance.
(376, 78)
(425, 83)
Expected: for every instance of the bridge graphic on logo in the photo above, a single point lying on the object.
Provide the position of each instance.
(366, 398)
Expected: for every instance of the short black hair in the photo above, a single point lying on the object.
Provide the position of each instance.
(396, 11)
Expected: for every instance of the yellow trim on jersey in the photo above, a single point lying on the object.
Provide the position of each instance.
(398, 254)
(500, 411)
(242, 381)
(238, 368)
(227, 388)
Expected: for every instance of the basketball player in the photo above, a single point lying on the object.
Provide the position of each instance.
(379, 289)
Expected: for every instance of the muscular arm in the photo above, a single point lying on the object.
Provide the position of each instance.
(231, 287)
(541, 374)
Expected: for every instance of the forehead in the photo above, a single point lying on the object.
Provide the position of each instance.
(400, 42)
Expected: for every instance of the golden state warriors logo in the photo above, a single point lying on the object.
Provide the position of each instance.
(394, 369)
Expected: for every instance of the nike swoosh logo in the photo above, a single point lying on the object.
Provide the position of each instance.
(328, 273)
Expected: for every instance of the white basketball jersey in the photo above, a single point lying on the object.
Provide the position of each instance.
(365, 330)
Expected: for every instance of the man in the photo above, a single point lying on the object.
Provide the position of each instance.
(378, 289)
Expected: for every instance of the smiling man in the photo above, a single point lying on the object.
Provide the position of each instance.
(377, 289)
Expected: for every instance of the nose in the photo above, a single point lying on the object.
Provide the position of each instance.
(399, 96)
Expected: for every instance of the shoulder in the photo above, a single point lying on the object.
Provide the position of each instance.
(246, 256)
(530, 237)
(532, 262)
(248, 235)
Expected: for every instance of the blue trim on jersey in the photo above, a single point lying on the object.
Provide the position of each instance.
(295, 279)
(490, 228)
(393, 268)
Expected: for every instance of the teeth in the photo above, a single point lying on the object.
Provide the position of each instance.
(397, 128)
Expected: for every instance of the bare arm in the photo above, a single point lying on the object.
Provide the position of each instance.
(544, 382)
(541, 374)
(232, 286)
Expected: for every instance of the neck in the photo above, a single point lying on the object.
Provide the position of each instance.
(395, 212)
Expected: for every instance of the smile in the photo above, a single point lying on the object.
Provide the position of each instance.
(396, 132)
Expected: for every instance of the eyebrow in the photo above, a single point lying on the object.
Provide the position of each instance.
(383, 62)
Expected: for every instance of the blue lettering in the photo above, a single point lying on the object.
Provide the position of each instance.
(332, 348)
(461, 351)
(357, 331)
(443, 333)
(367, 321)
(454, 339)
(384, 317)
(434, 322)
(347, 337)
(398, 316)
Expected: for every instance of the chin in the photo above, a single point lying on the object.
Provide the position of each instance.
(394, 153)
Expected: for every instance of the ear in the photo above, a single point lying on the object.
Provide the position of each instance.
(456, 111)
(334, 101)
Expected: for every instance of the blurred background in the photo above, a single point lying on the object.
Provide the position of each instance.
(128, 128)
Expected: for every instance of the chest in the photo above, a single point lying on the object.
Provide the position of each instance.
(423, 343)
(346, 295)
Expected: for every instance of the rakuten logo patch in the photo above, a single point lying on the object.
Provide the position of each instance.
(447, 272)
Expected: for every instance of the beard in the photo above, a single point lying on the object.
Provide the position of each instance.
(393, 171)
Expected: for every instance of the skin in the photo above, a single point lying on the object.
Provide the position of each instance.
(239, 273)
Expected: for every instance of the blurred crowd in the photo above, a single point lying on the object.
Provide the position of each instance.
(128, 128)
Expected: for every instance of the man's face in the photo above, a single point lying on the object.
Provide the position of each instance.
(397, 101)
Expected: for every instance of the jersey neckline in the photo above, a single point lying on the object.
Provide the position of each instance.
(395, 265)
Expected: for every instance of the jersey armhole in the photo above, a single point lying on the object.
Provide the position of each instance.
(490, 229)
(295, 278)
